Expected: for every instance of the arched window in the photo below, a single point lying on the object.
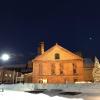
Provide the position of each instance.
(57, 56)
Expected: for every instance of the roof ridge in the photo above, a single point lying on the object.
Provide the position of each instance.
(68, 51)
(58, 47)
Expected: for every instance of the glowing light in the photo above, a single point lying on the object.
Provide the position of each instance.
(90, 38)
(5, 57)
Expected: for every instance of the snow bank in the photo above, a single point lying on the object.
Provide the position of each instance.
(67, 87)
(13, 95)
(17, 87)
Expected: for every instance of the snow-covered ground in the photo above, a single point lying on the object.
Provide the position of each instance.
(17, 95)
(89, 91)
(70, 87)
(13, 95)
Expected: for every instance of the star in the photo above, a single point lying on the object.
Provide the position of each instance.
(90, 38)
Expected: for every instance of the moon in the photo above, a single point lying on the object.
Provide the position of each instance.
(5, 57)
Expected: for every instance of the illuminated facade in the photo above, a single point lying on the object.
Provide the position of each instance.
(57, 65)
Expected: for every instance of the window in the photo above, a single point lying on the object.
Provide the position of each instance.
(57, 56)
(53, 69)
(75, 80)
(74, 69)
(9, 75)
(44, 81)
(40, 69)
(6, 75)
(40, 80)
(61, 69)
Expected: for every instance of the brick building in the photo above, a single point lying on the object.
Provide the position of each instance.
(57, 65)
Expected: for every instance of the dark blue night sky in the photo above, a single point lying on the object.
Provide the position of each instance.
(75, 24)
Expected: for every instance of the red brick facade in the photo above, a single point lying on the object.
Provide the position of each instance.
(57, 65)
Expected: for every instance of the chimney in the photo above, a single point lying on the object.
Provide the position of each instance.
(41, 48)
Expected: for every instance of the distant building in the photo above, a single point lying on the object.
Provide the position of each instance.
(9, 76)
(57, 65)
(12, 73)
(88, 69)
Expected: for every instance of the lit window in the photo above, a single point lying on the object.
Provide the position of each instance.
(6, 75)
(57, 56)
(9, 75)
(44, 81)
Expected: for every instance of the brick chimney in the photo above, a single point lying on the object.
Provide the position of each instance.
(41, 48)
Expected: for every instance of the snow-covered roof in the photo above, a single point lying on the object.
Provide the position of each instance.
(88, 62)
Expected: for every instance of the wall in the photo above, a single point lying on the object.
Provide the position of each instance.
(42, 70)
(88, 74)
(9, 76)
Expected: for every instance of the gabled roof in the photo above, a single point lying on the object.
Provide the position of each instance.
(59, 47)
